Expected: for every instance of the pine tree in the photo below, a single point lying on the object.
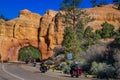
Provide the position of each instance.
(107, 30)
(70, 4)
(74, 17)
(117, 36)
(71, 43)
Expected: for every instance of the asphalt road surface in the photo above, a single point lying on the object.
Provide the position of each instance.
(17, 71)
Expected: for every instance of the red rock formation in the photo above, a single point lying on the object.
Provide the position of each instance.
(29, 29)
(44, 32)
(101, 14)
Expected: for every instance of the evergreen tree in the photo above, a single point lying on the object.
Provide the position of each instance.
(28, 52)
(117, 36)
(90, 37)
(70, 4)
(79, 29)
(74, 17)
(71, 43)
(107, 30)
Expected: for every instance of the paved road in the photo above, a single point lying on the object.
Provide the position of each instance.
(50, 73)
(16, 71)
(4, 76)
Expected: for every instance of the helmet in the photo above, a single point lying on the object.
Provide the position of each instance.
(76, 62)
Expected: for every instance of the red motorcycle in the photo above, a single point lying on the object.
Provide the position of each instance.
(76, 71)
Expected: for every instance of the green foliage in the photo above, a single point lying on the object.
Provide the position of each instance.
(70, 4)
(116, 55)
(75, 18)
(79, 29)
(117, 36)
(102, 70)
(89, 38)
(28, 52)
(66, 69)
(71, 43)
(107, 30)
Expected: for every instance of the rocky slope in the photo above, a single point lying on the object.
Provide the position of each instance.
(44, 32)
(106, 13)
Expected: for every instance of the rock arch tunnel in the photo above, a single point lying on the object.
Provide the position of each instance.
(29, 52)
(10, 49)
(43, 32)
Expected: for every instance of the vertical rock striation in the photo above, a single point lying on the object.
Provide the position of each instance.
(44, 32)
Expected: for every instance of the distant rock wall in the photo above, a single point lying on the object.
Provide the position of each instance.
(44, 32)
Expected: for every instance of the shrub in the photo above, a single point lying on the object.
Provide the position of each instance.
(107, 30)
(102, 70)
(66, 69)
(28, 52)
(117, 61)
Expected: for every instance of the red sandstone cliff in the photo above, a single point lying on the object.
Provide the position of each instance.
(44, 32)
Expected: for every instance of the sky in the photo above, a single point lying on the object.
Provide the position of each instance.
(11, 8)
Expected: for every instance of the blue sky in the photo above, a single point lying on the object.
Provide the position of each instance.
(11, 8)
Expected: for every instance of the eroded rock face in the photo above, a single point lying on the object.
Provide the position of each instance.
(29, 29)
(44, 32)
(101, 14)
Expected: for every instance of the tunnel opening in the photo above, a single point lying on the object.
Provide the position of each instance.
(29, 52)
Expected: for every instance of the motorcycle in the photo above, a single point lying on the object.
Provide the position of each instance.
(26, 61)
(76, 71)
(43, 68)
(34, 64)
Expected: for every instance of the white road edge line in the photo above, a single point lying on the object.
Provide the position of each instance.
(11, 73)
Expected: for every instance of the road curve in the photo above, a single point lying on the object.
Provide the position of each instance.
(13, 71)
(17, 71)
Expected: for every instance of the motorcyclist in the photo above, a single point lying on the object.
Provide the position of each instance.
(75, 69)
(34, 62)
(26, 60)
(43, 67)
(72, 67)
